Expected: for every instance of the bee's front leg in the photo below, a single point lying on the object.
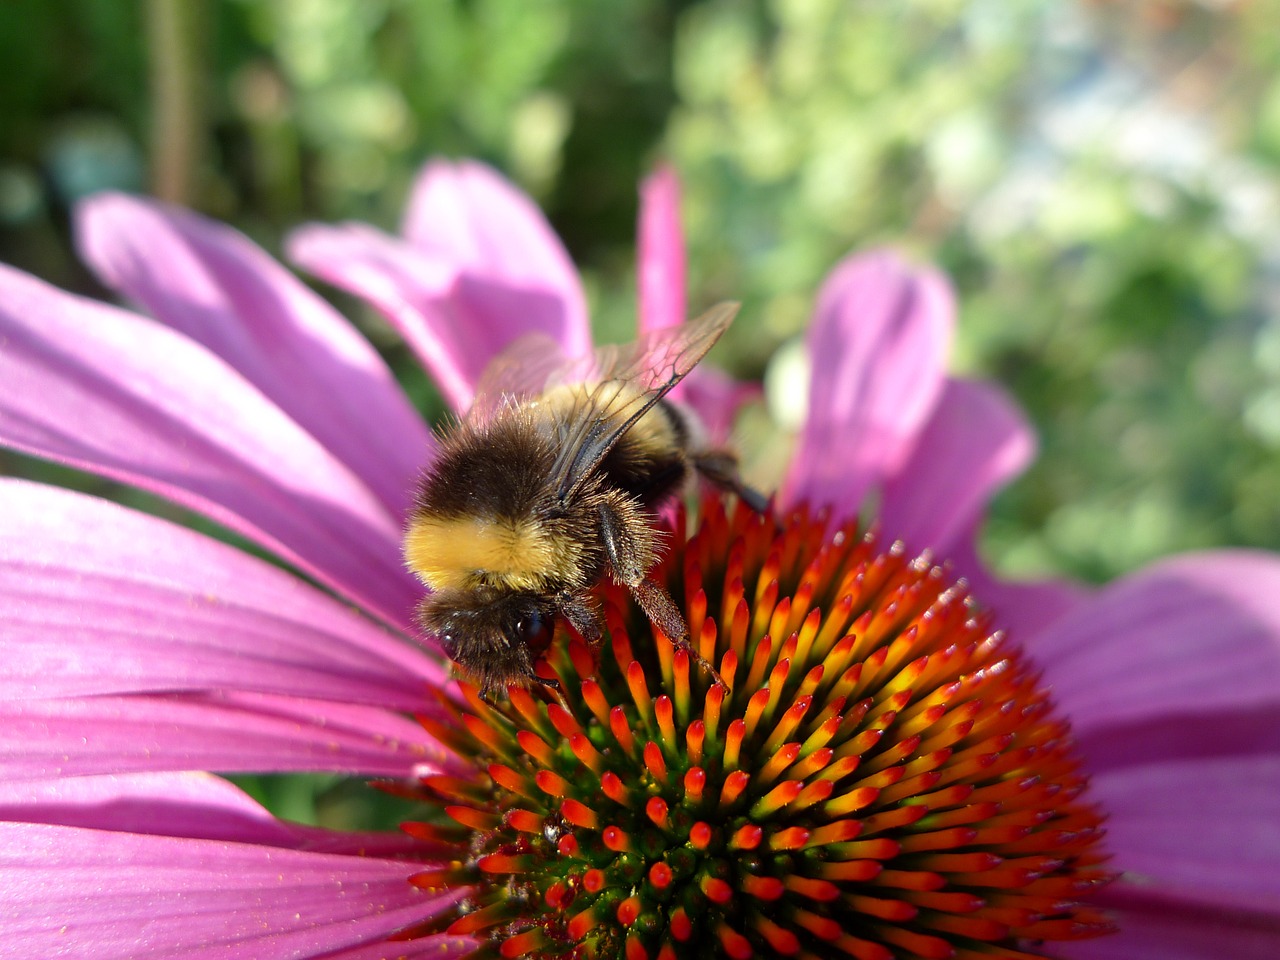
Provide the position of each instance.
(582, 615)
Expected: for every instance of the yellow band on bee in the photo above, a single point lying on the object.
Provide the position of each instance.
(464, 551)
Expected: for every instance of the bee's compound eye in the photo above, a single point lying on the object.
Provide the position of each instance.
(533, 628)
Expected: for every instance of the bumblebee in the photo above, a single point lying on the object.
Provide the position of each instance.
(552, 482)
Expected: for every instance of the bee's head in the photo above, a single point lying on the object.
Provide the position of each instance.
(495, 635)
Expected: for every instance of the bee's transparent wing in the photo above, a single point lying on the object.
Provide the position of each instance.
(521, 372)
(660, 359)
(654, 364)
(533, 364)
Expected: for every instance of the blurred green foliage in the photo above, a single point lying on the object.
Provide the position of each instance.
(1098, 178)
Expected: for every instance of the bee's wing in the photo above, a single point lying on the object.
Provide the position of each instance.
(660, 359)
(655, 363)
(522, 371)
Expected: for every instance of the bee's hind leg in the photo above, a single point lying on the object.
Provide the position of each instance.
(665, 615)
(721, 468)
(631, 560)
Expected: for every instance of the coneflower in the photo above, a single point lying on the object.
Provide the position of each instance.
(882, 773)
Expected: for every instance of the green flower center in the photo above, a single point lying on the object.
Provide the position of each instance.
(882, 776)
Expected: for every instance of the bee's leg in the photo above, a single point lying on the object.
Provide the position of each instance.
(664, 614)
(554, 688)
(721, 468)
(661, 610)
(585, 618)
(631, 558)
(582, 615)
(489, 693)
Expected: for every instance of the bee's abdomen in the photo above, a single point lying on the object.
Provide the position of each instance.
(651, 462)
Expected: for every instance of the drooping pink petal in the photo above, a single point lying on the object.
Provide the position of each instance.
(454, 320)
(72, 892)
(975, 441)
(878, 345)
(185, 804)
(240, 733)
(101, 599)
(660, 280)
(414, 291)
(430, 948)
(660, 271)
(470, 215)
(1198, 844)
(481, 267)
(210, 282)
(1248, 732)
(1178, 642)
(189, 804)
(1211, 837)
(112, 392)
(1160, 933)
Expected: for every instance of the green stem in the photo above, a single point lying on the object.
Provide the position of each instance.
(177, 114)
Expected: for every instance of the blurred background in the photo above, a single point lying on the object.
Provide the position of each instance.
(1100, 179)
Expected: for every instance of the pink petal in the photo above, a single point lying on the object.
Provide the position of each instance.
(661, 267)
(456, 321)
(1169, 935)
(100, 599)
(432, 948)
(192, 804)
(70, 892)
(660, 279)
(1204, 833)
(878, 345)
(480, 268)
(469, 215)
(111, 392)
(213, 284)
(242, 733)
(1243, 733)
(1174, 645)
(164, 804)
(976, 441)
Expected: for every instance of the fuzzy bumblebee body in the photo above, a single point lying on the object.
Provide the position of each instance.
(535, 499)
